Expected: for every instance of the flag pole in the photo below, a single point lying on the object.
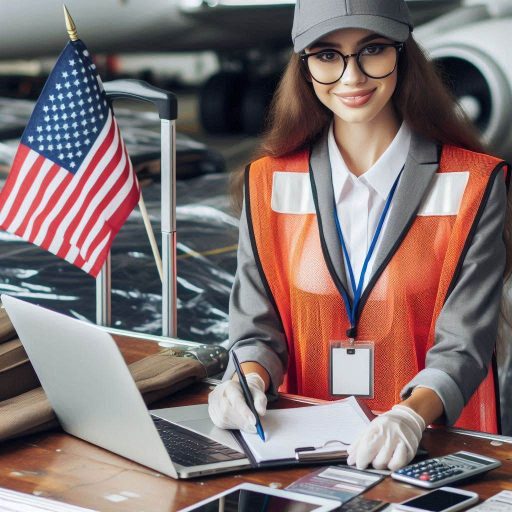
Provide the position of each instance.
(73, 36)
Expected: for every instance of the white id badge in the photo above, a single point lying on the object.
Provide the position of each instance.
(352, 369)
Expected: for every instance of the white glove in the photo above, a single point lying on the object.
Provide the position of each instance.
(227, 407)
(390, 440)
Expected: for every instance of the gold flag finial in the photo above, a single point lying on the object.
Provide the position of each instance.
(70, 25)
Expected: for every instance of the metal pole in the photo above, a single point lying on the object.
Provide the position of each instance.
(104, 295)
(168, 207)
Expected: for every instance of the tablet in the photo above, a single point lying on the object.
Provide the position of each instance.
(255, 498)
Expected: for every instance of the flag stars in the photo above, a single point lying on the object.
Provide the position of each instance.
(59, 146)
(84, 122)
(49, 138)
(60, 96)
(61, 156)
(87, 141)
(30, 139)
(48, 128)
(72, 62)
(72, 165)
(63, 107)
(46, 119)
(46, 108)
(56, 127)
(77, 144)
(65, 126)
(73, 115)
(58, 137)
(41, 148)
(64, 116)
(50, 147)
(51, 98)
(66, 136)
(67, 85)
(74, 72)
(56, 117)
(54, 108)
(69, 95)
(65, 74)
(68, 145)
(76, 83)
(70, 155)
(58, 87)
(76, 135)
(81, 102)
(79, 153)
(74, 125)
(95, 129)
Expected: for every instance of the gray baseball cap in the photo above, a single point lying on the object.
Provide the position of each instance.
(316, 18)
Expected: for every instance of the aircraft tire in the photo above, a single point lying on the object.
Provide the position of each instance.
(255, 102)
(219, 103)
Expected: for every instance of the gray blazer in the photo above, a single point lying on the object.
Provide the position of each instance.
(467, 325)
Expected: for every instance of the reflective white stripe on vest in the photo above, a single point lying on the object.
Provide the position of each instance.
(291, 193)
(444, 196)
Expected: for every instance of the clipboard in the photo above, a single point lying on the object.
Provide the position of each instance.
(302, 456)
(305, 454)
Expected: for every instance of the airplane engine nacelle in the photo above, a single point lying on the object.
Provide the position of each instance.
(477, 59)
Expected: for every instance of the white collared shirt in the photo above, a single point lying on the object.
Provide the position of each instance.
(360, 200)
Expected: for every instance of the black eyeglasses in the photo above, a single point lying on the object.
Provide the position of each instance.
(375, 61)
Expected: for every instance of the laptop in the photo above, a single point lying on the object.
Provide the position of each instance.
(95, 398)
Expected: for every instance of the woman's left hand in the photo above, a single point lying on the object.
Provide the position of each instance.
(390, 440)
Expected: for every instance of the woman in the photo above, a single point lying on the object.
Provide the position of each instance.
(371, 253)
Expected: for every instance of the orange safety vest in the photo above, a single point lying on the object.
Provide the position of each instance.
(400, 313)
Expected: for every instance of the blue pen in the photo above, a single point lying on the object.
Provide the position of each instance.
(248, 395)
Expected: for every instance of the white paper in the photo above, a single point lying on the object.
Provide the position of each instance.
(287, 429)
(13, 501)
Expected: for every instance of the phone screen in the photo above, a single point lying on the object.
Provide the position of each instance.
(250, 501)
(437, 501)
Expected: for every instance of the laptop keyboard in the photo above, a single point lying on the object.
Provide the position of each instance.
(190, 449)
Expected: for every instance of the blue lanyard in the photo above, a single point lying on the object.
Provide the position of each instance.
(358, 289)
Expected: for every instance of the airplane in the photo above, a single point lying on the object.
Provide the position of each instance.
(251, 39)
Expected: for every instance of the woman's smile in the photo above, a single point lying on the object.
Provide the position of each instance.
(355, 99)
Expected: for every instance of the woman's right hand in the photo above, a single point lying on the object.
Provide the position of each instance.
(227, 406)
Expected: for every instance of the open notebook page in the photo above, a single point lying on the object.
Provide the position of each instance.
(287, 429)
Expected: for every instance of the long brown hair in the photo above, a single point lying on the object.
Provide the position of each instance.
(297, 118)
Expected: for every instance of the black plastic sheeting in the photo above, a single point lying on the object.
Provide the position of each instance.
(207, 234)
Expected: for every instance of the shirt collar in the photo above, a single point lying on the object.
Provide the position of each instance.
(382, 174)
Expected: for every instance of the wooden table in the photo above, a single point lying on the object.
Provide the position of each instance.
(65, 468)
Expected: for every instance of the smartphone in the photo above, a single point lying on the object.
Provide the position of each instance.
(444, 499)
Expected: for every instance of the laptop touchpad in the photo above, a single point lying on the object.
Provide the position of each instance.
(196, 418)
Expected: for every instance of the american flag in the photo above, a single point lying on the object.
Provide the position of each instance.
(72, 185)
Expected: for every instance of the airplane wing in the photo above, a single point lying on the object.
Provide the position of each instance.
(31, 28)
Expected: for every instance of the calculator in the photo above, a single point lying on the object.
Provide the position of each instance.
(439, 471)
